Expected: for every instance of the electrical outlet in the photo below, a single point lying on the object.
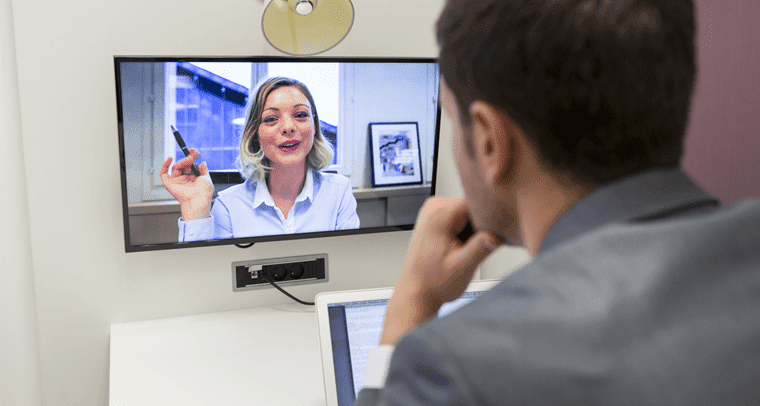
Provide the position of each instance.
(248, 275)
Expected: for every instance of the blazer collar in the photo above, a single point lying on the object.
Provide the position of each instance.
(650, 194)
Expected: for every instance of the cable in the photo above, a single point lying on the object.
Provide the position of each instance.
(249, 245)
(269, 279)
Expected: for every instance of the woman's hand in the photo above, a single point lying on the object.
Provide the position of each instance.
(192, 192)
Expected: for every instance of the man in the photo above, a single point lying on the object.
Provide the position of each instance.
(568, 122)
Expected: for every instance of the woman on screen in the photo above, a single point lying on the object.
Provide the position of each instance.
(282, 151)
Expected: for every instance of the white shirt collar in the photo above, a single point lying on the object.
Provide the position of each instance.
(263, 196)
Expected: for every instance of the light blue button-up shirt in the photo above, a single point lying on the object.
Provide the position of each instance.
(247, 210)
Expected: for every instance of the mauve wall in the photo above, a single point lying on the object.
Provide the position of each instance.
(723, 143)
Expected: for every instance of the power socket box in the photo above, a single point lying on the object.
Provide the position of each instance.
(286, 271)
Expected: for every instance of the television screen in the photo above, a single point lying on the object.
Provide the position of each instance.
(239, 150)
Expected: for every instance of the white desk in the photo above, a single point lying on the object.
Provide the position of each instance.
(262, 356)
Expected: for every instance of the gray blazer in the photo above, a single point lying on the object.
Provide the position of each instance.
(646, 292)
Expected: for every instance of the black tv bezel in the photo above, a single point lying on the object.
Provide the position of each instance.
(260, 239)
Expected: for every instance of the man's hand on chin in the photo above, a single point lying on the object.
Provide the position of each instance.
(438, 266)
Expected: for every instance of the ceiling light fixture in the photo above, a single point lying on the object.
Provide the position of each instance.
(306, 27)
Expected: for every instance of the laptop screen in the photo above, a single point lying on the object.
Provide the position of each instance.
(355, 329)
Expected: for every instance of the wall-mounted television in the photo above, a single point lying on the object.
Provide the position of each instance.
(275, 148)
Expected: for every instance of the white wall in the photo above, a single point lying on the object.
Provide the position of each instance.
(374, 100)
(83, 280)
(19, 355)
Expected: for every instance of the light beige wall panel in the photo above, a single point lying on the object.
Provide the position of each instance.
(19, 354)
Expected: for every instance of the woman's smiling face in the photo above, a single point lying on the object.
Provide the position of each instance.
(286, 132)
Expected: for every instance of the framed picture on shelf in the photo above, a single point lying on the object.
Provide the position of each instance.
(396, 158)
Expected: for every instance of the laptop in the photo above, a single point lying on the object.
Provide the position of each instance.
(350, 323)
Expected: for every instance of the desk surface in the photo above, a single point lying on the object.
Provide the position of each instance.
(262, 356)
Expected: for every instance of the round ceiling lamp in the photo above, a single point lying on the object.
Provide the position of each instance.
(306, 27)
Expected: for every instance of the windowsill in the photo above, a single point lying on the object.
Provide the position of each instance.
(391, 191)
(156, 207)
(171, 206)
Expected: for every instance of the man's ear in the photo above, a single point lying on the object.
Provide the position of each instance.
(494, 142)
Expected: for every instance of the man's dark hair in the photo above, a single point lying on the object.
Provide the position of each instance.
(601, 87)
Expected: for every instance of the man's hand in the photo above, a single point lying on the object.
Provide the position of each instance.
(438, 266)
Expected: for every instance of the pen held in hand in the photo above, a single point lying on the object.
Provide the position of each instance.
(182, 146)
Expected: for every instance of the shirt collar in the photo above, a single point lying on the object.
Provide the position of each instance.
(262, 195)
(637, 197)
(307, 193)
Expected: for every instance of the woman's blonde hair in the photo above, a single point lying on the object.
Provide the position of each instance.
(251, 162)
